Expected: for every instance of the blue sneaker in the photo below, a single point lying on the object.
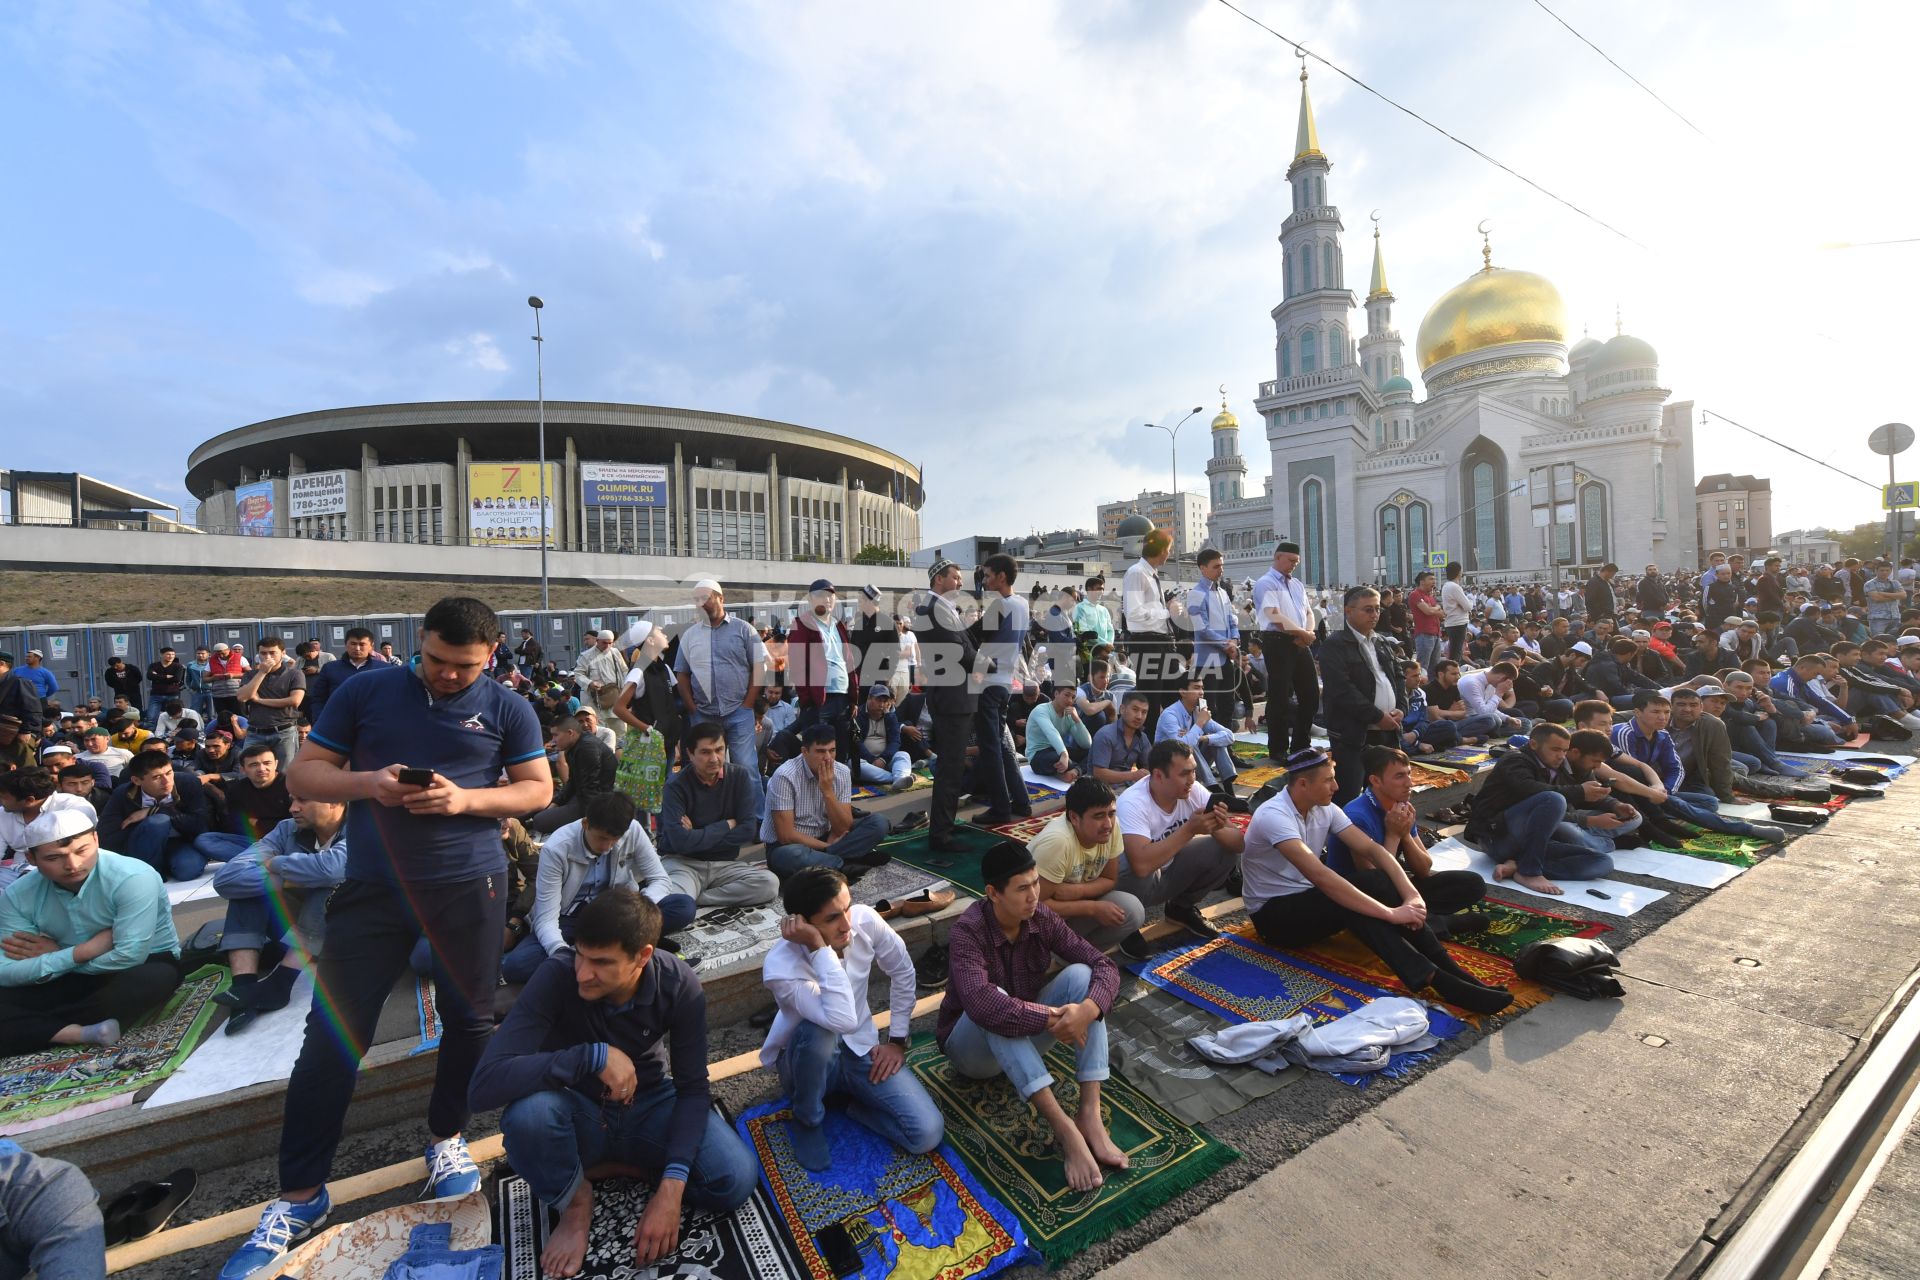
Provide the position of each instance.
(451, 1172)
(283, 1225)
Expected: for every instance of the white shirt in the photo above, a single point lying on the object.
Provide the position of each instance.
(13, 825)
(1140, 816)
(1282, 602)
(1382, 689)
(1454, 608)
(1265, 872)
(909, 647)
(1481, 697)
(830, 991)
(1141, 603)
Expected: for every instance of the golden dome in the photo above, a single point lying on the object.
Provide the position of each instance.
(1224, 420)
(1489, 309)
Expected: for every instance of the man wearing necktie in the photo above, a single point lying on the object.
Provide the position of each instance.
(1286, 621)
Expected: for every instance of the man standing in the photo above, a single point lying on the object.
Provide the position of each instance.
(1216, 637)
(719, 668)
(1425, 607)
(710, 813)
(600, 672)
(809, 820)
(1143, 608)
(1092, 620)
(1885, 600)
(422, 858)
(997, 773)
(529, 652)
(166, 681)
(1456, 611)
(947, 661)
(1599, 594)
(1286, 621)
(821, 667)
(1000, 1014)
(1078, 854)
(226, 668)
(359, 656)
(121, 679)
(1179, 843)
(43, 681)
(1652, 596)
(582, 1067)
(1365, 699)
(273, 695)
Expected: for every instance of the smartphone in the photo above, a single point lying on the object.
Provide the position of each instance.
(838, 1250)
(416, 777)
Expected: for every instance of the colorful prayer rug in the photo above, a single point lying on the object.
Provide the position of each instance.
(1426, 779)
(1259, 776)
(906, 1216)
(730, 936)
(1023, 829)
(747, 1244)
(1345, 954)
(1249, 751)
(891, 882)
(960, 869)
(1148, 1032)
(1738, 851)
(1470, 759)
(1010, 1148)
(36, 1087)
(867, 791)
(1513, 928)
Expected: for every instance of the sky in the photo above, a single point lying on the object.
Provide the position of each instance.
(997, 238)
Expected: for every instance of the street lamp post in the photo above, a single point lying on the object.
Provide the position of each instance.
(540, 387)
(1173, 451)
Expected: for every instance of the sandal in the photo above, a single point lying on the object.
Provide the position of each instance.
(926, 902)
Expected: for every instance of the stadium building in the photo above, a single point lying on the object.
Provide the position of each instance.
(620, 477)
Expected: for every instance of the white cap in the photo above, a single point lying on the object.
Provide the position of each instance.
(706, 587)
(1643, 635)
(1581, 646)
(606, 635)
(56, 825)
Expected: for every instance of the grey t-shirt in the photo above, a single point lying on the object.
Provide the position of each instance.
(278, 684)
(794, 788)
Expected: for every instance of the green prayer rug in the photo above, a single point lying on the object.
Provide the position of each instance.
(1738, 851)
(1006, 1144)
(1511, 928)
(961, 869)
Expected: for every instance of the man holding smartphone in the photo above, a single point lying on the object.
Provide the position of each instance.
(422, 858)
(1179, 845)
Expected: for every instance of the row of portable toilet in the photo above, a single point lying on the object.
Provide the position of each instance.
(78, 655)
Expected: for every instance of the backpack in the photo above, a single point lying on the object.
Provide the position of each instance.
(1584, 967)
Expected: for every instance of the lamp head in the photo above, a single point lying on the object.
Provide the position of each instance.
(535, 303)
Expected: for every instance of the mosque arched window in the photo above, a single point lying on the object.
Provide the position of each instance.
(1483, 475)
(1286, 276)
(1593, 523)
(1313, 503)
(1327, 272)
(1417, 519)
(1309, 344)
(1336, 347)
(1304, 275)
(1379, 430)
(1286, 358)
(1389, 543)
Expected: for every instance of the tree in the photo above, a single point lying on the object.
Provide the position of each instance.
(878, 553)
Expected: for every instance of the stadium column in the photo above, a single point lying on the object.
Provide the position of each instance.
(567, 506)
(848, 548)
(776, 511)
(369, 459)
(682, 538)
(462, 458)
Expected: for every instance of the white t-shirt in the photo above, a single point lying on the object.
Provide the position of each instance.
(1454, 608)
(1482, 698)
(1267, 873)
(1140, 816)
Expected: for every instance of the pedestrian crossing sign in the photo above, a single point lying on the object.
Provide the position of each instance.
(1895, 497)
(1438, 559)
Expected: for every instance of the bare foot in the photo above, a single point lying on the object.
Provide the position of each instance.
(1099, 1143)
(1539, 884)
(1505, 870)
(566, 1248)
(1083, 1171)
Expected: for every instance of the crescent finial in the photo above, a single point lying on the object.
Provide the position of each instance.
(1482, 228)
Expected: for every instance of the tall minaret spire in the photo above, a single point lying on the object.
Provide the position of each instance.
(1380, 358)
(1379, 285)
(1306, 140)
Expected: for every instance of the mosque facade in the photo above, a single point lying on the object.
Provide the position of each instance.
(1372, 482)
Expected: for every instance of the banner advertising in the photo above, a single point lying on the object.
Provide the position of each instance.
(503, 502)
(253, 505)
(317, 493)
(623, 484)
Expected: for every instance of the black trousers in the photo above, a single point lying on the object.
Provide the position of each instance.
(1293, 694)
(1348, 750)
(1302, 918)
(1446, 892)
(1221, 680)
(951, 734)
(371, 930)
(1157, 663)
(30, 1015)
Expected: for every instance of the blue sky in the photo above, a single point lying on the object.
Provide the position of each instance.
(996, 238)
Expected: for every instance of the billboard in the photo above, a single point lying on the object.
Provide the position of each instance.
(317, 493)
(503, 503)
(253, 508)
(623, 484)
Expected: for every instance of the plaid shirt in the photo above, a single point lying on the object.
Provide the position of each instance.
(994, 981)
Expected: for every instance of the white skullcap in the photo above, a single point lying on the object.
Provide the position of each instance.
(58, 824)
(706, 587)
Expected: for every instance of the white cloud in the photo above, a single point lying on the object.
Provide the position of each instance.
(324, 23)
(477, 351)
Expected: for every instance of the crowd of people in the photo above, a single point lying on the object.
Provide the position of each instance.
(473, 812)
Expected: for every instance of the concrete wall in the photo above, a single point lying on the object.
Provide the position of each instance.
(69, 550)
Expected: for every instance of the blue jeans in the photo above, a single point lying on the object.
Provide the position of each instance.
(864, 836)
(553, 1137)
(49, 1221)
(1426, 651)
(1530, 836)
(1759, 741)
(175, 857)
(221, 846)
(1594, 838)
(983, 1055)
(1480, 726)
(1703, 809)
(875, 775)
(741, 750)
(817, 1065)
(1001, 788)
(1439, 734)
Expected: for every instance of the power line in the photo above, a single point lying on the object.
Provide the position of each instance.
(1458, 141)
(1622, 70)
(1708, 413)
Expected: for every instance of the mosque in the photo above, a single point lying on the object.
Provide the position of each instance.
(1372, 482)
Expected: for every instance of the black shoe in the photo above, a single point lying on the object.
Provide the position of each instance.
(1470, 995)
(145, 1207)
(1136, 946)
(1461, 923)
(1190, 919)
(764, 1019)
(912, 822)
(992, 819)
(1023, 811)
(669, 944)
(930, 970)
(946, 844)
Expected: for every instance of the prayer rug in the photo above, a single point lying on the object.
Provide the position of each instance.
(1260, 775)
(36, 1087)
(868, 791)
(730, 936)
(1345, 954)
(893, 881)
(1249, 751)
(961, 869)
(1023, 829)
(747, 1244)
(1011, 1149)
(1738, 851)
(912, 1217)
(364, 1248)
(426, 1003)
(1147, 1034)
(1470, 759)
(1429, 779)
(1513, 928)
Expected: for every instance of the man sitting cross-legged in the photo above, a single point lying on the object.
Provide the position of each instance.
(1519, 816)
(710, 812)
(1000, 1014)
(160, 817)
(1078, 853)
(278, 884)
(87, 945)
(809, 820)
(1296, 898)
(1189, 719)
(1384, 814)
(1057, 741)
(582, 1067)
(823, 1042)
(1179, 843)
(876, 742)
(605, 850)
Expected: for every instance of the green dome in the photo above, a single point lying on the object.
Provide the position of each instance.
(1396, 383)
(1134, 526)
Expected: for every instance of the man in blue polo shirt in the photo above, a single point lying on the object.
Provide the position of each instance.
(1384, 810)
(422, 859)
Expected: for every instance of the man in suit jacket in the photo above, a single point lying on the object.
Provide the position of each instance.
(952, 694)
(1363, 699)
(1599, 593)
